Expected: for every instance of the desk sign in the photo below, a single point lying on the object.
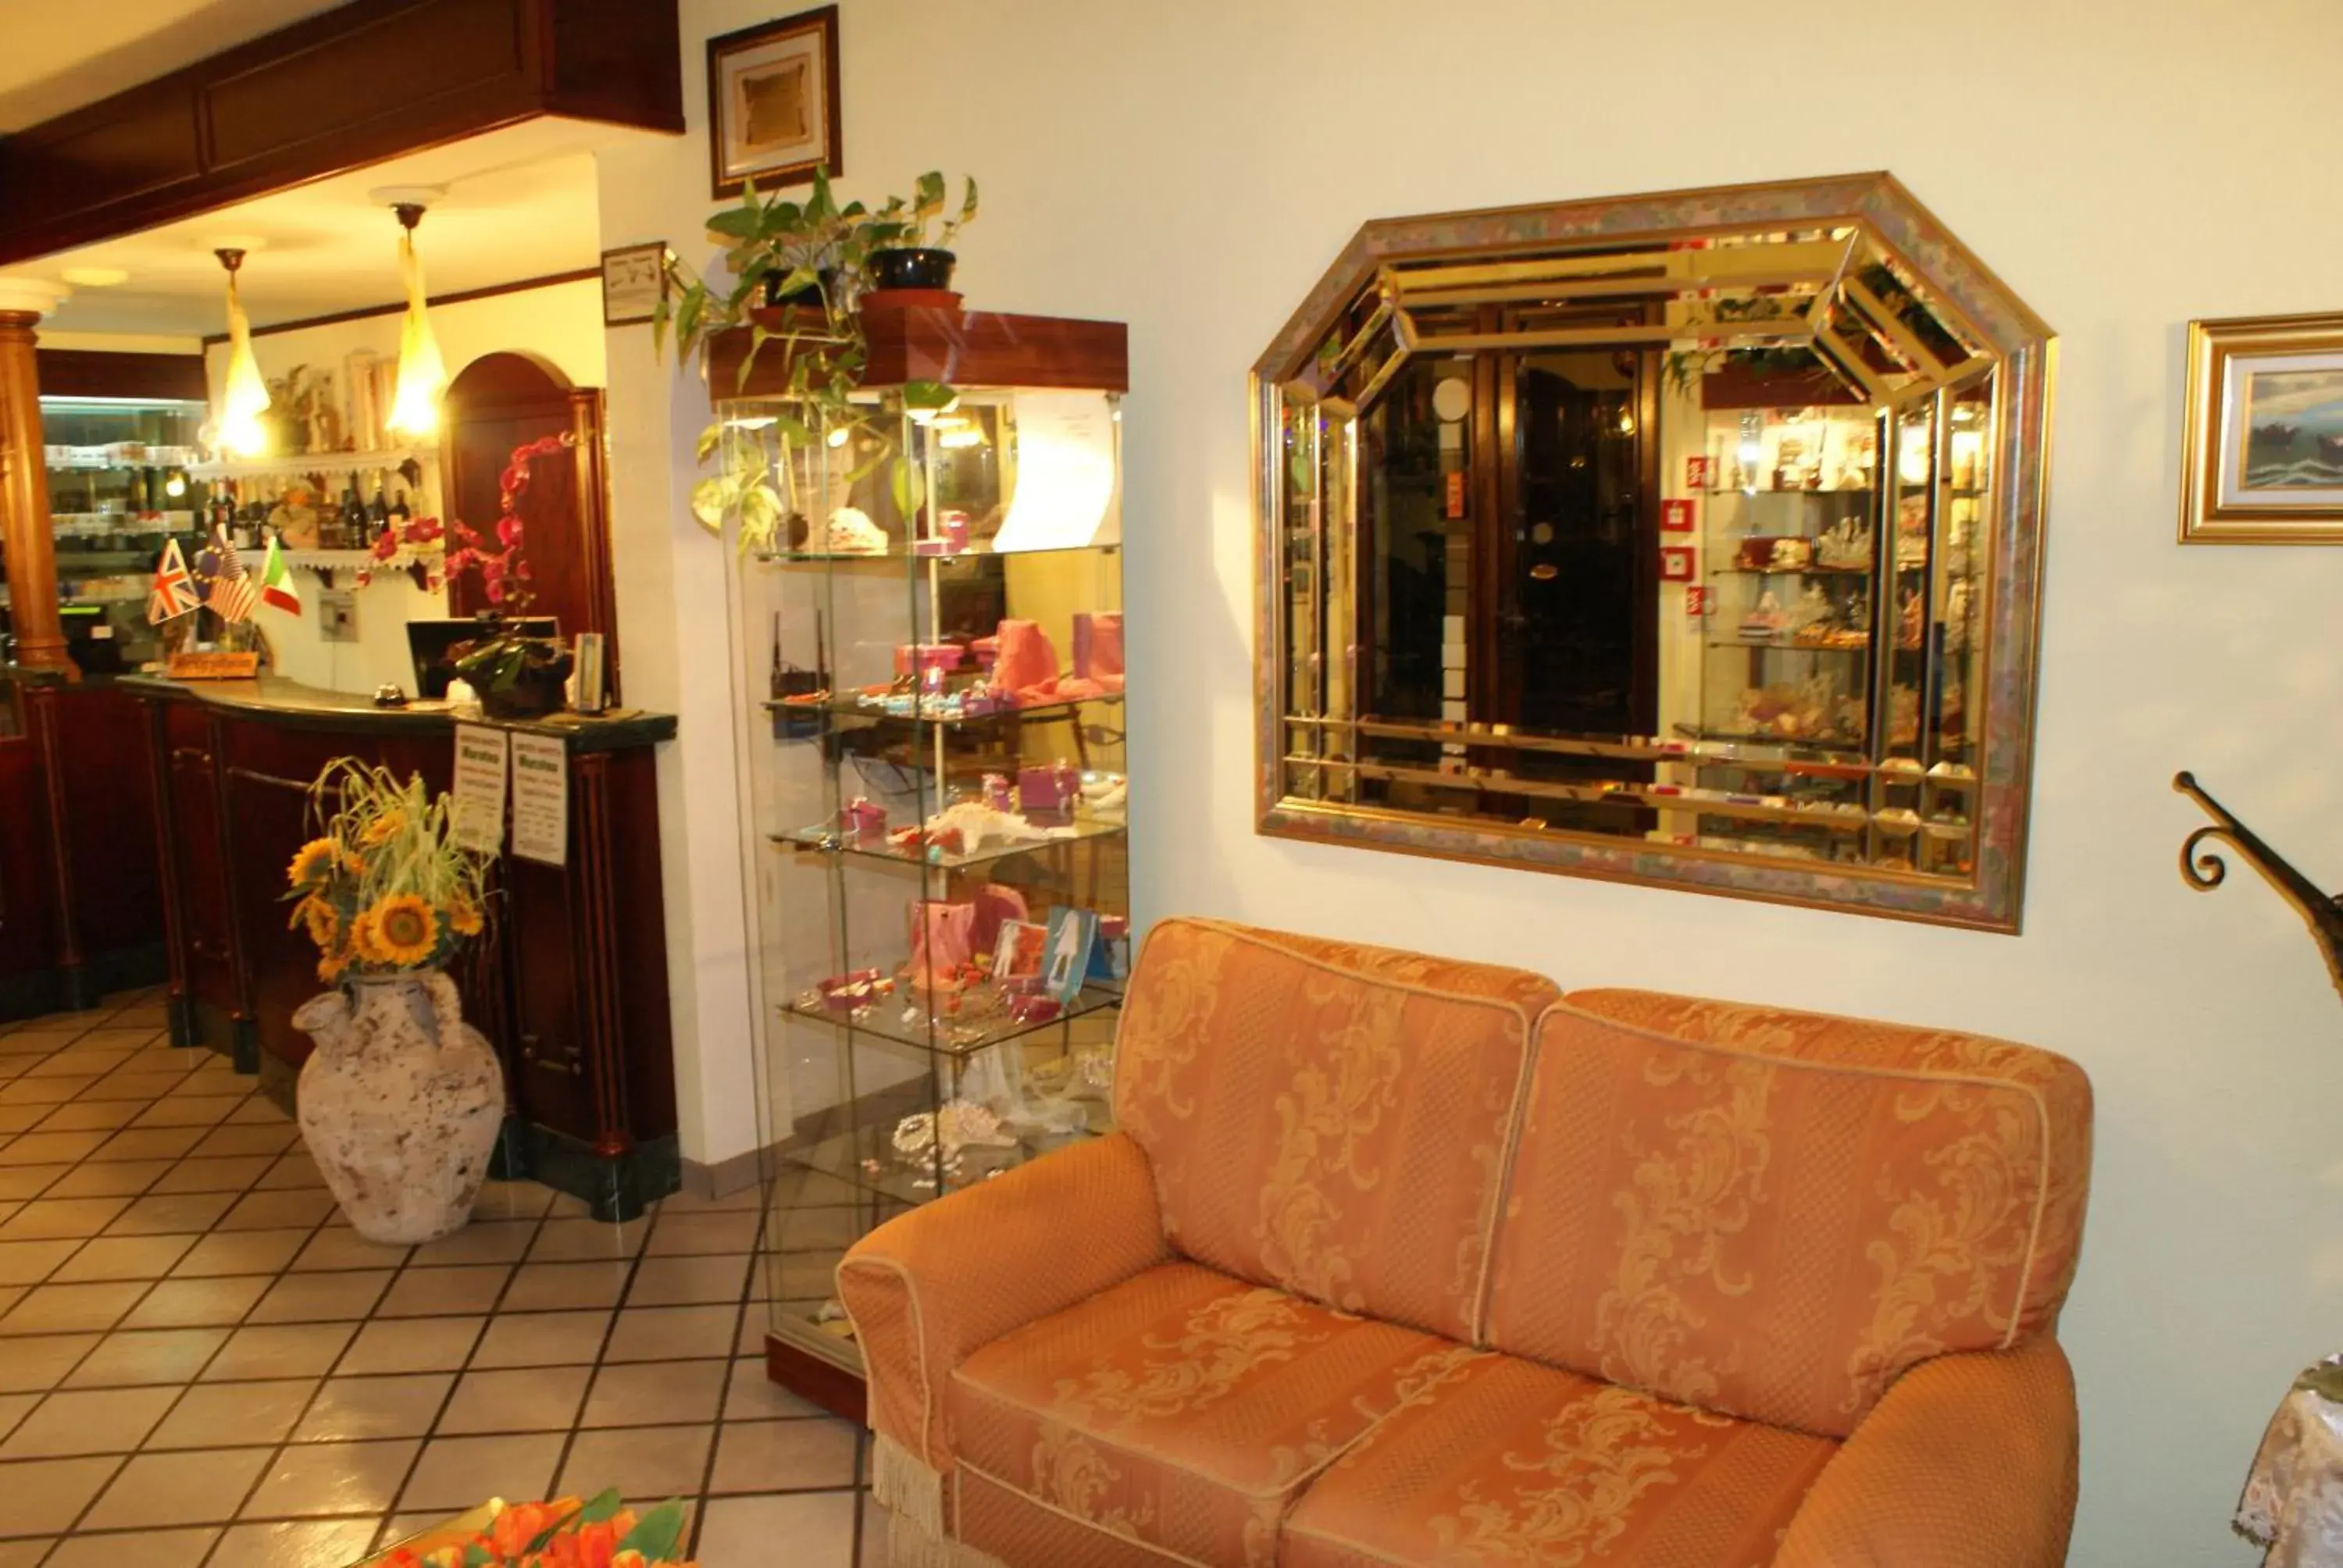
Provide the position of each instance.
(479, 805)
(192, 666)
(540, 784)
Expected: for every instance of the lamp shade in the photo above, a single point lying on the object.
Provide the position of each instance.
(244, 397)
(422, 373)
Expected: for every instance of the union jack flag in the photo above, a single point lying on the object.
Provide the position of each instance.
(233, 594)
(175, 590)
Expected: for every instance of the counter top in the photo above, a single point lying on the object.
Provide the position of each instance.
(289, 702)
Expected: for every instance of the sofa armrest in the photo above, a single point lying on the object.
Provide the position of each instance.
(929, 1287)
(1970, 1462)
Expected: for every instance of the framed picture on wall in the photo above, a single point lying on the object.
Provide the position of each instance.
(772, 103)
(2261, 449)
(634, 280)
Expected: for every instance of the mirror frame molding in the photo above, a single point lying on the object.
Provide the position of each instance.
(1991, 897)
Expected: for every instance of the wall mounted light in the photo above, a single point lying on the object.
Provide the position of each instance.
(422, 373)
(244, 398)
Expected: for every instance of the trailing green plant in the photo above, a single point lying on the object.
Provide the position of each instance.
(815, 255)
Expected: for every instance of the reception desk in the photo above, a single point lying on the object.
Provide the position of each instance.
(568, 982)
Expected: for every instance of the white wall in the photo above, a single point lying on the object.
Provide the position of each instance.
(2124, 166)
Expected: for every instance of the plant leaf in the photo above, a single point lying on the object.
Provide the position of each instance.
(736, 222)
(709, 438)
(761, 515)
(711, 498)
(910, 488)
(655, 1535)
(929, 193)
(967, 205)
(928, 395)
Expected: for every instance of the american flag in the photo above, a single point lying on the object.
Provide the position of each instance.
(233, 594)
(175, 590)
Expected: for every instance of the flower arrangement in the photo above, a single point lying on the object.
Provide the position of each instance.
(504, 573)
(384, 888)
(562, 1534)
(516, 676)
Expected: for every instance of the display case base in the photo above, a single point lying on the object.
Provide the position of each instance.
(812, 1377)
(77, 988)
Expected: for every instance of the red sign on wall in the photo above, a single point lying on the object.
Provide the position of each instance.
(1678, 516)
(1677, 564)
(1456, 494)
(1696, 600)
(1695, 473)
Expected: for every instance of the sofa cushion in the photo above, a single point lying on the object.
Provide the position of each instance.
(1774, 1213)
(1509, 1462)
(1183, 1408)
(1329, 1119)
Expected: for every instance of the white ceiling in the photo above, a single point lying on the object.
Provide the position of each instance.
(58, 54)
(520, 203)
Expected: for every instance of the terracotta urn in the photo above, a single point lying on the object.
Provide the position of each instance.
(400, 1104)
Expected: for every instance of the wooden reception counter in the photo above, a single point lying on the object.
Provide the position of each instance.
(570, 983)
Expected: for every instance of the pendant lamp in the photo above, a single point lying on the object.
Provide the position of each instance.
(244, 398)
(422, 373)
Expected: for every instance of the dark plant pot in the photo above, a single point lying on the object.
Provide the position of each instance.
(809, 295)
(922, 266)
(517, 676)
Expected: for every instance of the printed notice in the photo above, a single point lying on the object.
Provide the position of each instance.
(540, 775)
(479, 805)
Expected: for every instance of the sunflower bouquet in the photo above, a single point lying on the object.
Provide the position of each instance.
(383, 889)
(563, 1533)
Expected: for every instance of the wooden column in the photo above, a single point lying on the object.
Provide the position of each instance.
(26, 543)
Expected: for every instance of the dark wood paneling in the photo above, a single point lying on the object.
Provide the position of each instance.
(458, 296)
(108, 796)
(359, 84)
(970, 349)
(86, 373)
(809, 1376)
(27, 913)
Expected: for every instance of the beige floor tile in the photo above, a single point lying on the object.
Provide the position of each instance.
(73, 1309)
(150, 1143)
(47, 1497)
(241, 1253)
(349, 1408)
(146, 1356)
(83, 1061)
(128, 1085)
(457, 1471)
(413, 1345)
(512, 1200)
(679, 1282)
(50, 1148)
(749, 1196)
(20, 1181)
(137, 1549)
(123, 1257)
(30, 1263)
(189, 1111)
(534, 1399)
(339, 1247)
(166, 1214)
(14, 1408)
(309, 1543)
(277, 1210)
(727, 1231)
(481, 1241)
(784, 1455)
(47, 1219)
(442, 1293)
(88, 1420)
(652, 1395)
(114, 1178)
(221, 1415)
(22, 1117)
(198, 1302)
(751, 1394)
(37, 1365)
(668, 1334)
(255, 1110)
(542, 1339)
(33, 1089)
(90, 1116)
(647, 1464)
(573, 1240)
(162, 1489)
(312, 1478)
(249, 1140)
(321, 1298)
(279, 1350)
(289, 1171)
(817, 1526)
(223, 1173)
(559, 1287)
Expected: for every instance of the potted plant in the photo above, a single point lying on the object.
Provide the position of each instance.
(517, 676)
(400, 1103)
(563, 1533)
(904, 259)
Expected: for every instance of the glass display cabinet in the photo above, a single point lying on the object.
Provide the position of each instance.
(928, 608)
(118, 485)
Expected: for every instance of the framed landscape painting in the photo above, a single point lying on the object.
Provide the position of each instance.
(2262, 445)
(772, 103)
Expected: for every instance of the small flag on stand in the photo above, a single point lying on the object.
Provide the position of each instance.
(276, 582)
(233, 594)
(175, 590)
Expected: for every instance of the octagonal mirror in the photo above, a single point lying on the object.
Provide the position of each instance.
(1690, 540)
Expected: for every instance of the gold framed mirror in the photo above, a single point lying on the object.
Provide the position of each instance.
(1691, 539)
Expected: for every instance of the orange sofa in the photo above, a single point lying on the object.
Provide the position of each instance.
(1398, 1259)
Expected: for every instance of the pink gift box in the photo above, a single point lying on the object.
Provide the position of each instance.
(911, 658)
(1048, 786)
(1098, 644)
(859, 817)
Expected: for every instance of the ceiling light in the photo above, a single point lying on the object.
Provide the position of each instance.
(422, 373)
(244, 398)
(94, 276)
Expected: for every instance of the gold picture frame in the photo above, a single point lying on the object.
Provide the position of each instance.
(773, 104)
(2261, 449)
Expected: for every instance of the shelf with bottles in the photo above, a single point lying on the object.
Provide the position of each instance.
(304, 464)
(120, 524)
(919, 847)
(60, 458)
(1777, 642)
(1838, 817)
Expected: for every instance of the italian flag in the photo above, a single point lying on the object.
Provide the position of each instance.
(276, 580)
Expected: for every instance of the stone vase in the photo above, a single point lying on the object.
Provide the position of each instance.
(400, 1104)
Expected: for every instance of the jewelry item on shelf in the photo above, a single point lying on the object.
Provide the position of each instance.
(1765, 621)
(1908, 619)
(967, 826)
(1048, 786)
(998, 794)
(1105, 795)
(1846, 545)
(852, 533)
(861, 818)
(851, 992)
(1789, 555)
(831, 1319)
(1812, 613)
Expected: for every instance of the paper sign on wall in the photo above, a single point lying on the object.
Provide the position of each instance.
(479, 796)
(540, 774)
(1066, 487)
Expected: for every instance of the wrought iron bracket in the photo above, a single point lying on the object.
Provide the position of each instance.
(2204, 870)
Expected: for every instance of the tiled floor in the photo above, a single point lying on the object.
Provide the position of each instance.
(201, 1365)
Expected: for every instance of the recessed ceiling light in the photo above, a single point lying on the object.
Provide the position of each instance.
(94, 276)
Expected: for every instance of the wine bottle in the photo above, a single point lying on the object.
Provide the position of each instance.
(378, 512)
(354, 518)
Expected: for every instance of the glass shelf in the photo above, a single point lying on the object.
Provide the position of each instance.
(884, 1018)
(846, 708)
(866, 1159)
(897, 551)
(877, 846)
(1804, 571)
(1785, 645)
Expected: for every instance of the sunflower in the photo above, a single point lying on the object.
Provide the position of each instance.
(404, 930)
(320, 918)
(330, 967)
(383, 829)
(464, 917)
(362, 949)
(313, 863)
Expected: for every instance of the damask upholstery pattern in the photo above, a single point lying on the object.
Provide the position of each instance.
(1184, 1409)
(1511, 1462)
(1329, 1119)
(1774, 1214)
